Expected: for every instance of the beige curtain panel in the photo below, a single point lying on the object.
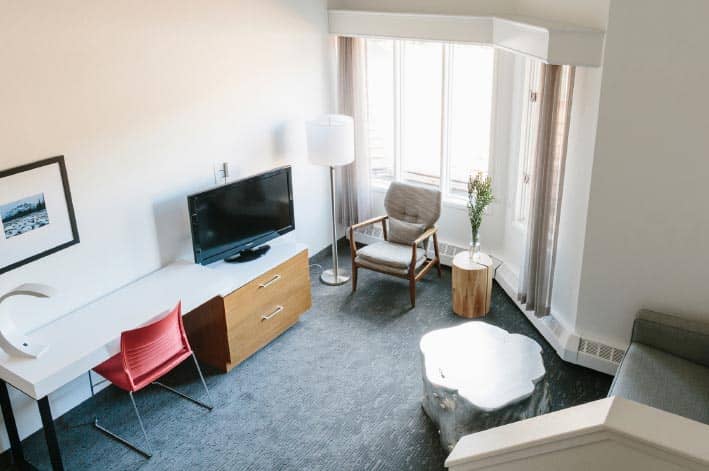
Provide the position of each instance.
(536, 277)
(353, 180)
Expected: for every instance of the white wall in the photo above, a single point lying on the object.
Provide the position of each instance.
(142, 98)
(646, 238)
(574, 205)
(589, 13)
(449, 7)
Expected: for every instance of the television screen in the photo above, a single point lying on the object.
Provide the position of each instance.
(241, 215)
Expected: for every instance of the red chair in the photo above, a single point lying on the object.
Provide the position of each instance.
(148, 353)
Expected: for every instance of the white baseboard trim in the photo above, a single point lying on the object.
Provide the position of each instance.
(570, 347)
(564, 342)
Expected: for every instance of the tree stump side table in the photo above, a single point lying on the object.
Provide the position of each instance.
(477, 376)
(472, 284)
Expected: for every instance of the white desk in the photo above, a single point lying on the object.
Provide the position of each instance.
(84, 338)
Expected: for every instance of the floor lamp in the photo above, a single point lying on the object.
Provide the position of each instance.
(331, 143)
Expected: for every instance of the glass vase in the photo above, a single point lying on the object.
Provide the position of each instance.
(474, 249)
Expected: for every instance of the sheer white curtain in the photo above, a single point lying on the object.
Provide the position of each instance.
(354, 192)
(536, 278)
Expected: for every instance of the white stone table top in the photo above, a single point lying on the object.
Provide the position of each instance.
(488, 366)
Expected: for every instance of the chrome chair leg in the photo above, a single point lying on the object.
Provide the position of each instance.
(135, 447)
(204, 383)
(147, 454)
(209, 406)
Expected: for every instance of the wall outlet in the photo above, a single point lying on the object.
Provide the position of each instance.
(221, 172)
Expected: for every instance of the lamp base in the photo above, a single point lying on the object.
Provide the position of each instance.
(328, 277)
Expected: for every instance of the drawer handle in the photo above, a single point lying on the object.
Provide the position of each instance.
(276, 311)
(270, 282)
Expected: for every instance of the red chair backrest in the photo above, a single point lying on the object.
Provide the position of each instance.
(147, 348)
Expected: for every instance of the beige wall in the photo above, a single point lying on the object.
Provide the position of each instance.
(646, 238)
(142, 97)
(589, 13)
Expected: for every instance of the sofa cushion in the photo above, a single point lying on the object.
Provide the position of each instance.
(391, 255)
(681, 337)
(664, 381)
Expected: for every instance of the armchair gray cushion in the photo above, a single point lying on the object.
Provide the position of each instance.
(389, 257)
(402, 232)
(413, 204)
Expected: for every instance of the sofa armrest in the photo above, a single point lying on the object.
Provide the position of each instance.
(681, 337)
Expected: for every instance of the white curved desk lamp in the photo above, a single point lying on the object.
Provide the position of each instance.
(11, 340)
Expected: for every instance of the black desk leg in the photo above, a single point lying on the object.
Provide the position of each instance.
(50, 434)
(10, 424)
(8, 416)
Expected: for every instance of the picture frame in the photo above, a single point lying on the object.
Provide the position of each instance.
(36, 212)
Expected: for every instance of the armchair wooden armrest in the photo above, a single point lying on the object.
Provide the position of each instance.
(428, 233)
(431, 231)
(368, 222)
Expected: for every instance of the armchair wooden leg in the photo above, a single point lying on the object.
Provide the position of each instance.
(353, 255)
(412, 291)
(438, 256)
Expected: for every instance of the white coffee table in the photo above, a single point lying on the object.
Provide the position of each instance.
(477, 376)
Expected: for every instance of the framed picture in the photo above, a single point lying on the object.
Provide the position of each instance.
(36, 212)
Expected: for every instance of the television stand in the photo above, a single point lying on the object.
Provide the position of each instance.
(252, 305)
(249, 255)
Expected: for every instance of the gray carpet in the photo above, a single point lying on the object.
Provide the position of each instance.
(339, 391)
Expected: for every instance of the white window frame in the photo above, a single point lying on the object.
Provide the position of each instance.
(447, 63)
(528, 139)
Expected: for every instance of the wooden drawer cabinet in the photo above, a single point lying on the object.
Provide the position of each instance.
(226, 331)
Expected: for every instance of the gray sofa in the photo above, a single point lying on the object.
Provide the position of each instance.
(667, 366)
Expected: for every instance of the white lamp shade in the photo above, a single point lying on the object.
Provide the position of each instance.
(331, 140)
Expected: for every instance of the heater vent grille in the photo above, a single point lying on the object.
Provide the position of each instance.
(599, 350)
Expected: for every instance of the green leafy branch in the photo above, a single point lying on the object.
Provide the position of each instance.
(479, 197)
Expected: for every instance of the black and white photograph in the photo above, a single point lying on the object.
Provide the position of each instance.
(36, 212)
(24, 215)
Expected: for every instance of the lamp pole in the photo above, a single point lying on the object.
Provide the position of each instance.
(333, 277)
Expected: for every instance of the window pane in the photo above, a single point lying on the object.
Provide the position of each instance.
(471, 85)
(380, 107)
(422, 82)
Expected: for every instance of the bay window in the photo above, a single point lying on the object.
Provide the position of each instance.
(429, 112)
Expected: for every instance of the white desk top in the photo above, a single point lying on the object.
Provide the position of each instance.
(86, 337)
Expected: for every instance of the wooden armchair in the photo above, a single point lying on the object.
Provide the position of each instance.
(408, 226)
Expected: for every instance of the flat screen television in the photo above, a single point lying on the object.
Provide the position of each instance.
(233, 221)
